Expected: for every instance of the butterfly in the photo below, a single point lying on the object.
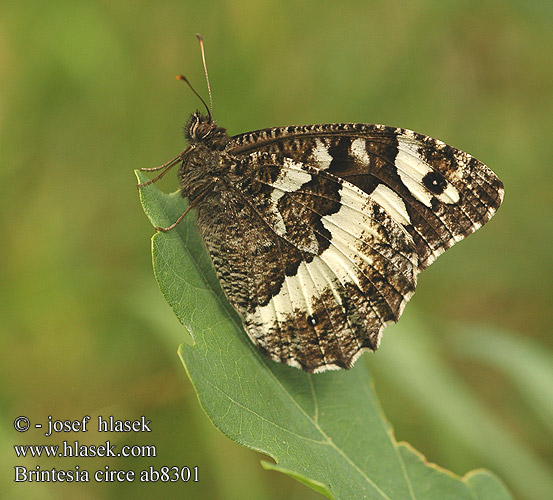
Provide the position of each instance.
(318, 232)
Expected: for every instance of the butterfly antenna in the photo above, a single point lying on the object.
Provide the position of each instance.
(200, 39)
(184, 79)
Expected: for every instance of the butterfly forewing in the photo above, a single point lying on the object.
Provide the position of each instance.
(440, 194)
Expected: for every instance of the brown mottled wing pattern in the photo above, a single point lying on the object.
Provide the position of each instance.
(315, 267)
(318, 232)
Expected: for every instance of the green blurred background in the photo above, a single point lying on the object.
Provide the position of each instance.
(88, 94)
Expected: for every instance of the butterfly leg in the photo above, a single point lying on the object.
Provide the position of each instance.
(166, 167)
(183, 215)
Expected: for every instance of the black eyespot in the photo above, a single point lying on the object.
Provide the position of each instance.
(311, 320)
(435, 182)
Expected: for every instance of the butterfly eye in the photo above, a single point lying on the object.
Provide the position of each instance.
(203, 130)
(198, 129)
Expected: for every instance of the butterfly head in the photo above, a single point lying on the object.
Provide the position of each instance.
(202, 129)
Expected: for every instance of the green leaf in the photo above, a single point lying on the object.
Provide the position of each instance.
(325, 430)
(484, 485)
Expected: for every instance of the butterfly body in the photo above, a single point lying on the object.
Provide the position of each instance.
(317, 233)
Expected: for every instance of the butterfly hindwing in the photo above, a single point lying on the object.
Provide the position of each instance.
(315, 267)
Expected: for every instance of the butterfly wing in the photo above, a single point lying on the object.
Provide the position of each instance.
(316, 268)
(438, 193)
(320, 234)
